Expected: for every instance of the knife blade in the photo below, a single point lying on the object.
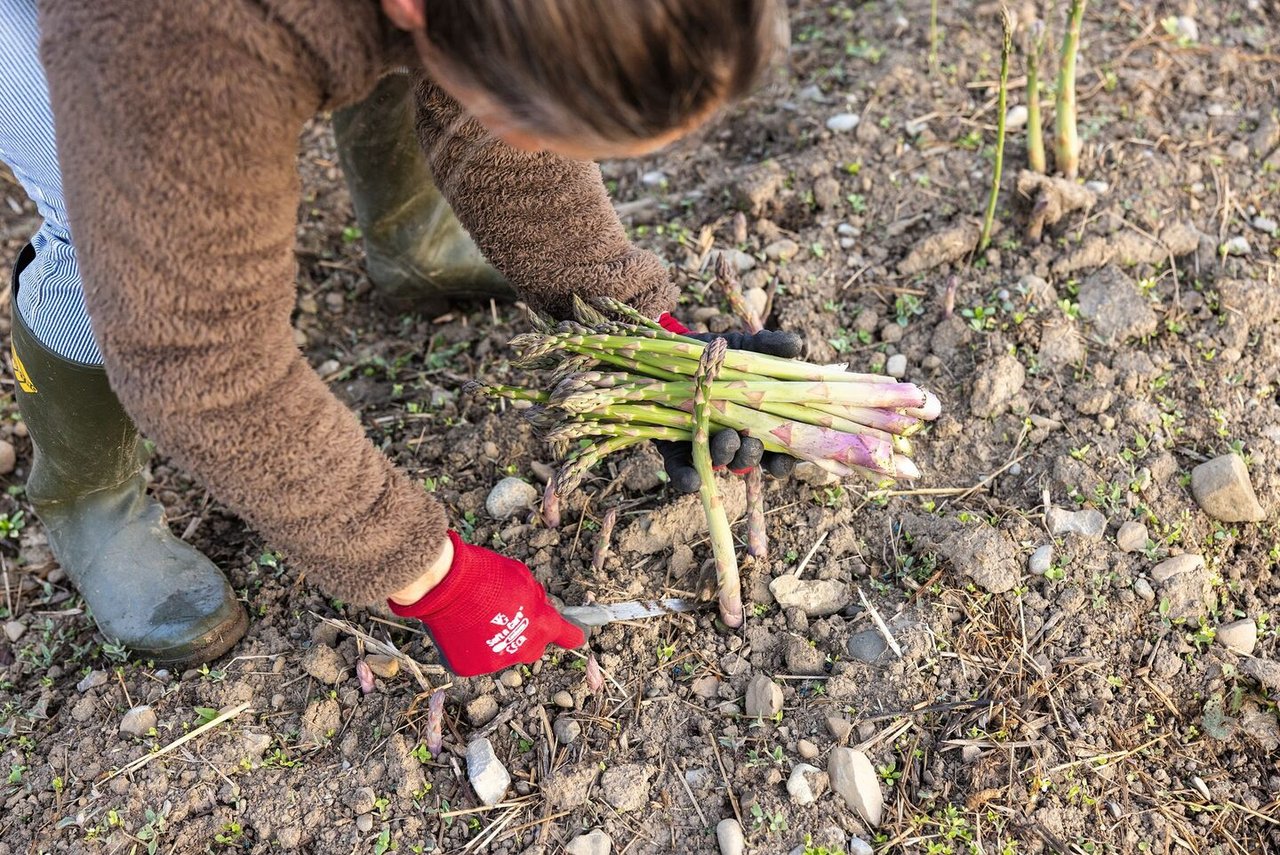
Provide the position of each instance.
(599, 614)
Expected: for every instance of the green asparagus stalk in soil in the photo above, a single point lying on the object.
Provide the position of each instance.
(1066, 134)
(1035, 128)
(727, 581)
(1002, 102)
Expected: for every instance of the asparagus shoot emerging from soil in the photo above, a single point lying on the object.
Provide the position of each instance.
(1002, 101)
(727, 581)
(933, 34)
(1067, 136)
(1035, 129)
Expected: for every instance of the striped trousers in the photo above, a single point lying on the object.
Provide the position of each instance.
(50, 296)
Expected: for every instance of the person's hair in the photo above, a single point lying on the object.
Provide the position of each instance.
(615, 70)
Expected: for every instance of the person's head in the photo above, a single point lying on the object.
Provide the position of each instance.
(593, 78)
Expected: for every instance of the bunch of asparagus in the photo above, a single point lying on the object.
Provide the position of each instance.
(618, 379)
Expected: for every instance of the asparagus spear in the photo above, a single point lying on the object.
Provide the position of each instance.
(727, 581)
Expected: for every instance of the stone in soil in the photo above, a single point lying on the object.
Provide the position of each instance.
(781, 250)
(842, 123)
(896, 366)
(386, 667)
(986, 554)
(1089, 524)
(511, 679)
(1041, 560)
(764, 697)
(566, 788)
(706, 686)
(804, 658)
(741, 261)
(566, 730)
(562, 699)
(815, 597)
(481, 710)
(1185, 585)
(799, 787)
(858, 846)
(1240, 635)
(807, 749)
(1118, 310)
(489, 778)
(814, 475)
(325, 664)
(729, 837)
(138, 721)
(867, 646)
(362, 800)
(626, 787)
(854, 778)
(1266, 672)
(1132, 536)
(1222, 489)
(1016, 117)
(8, 457)
(509, 497)
(92, 680)
(1143, 589)
(320, 720)
(595, 842)
(13, 630)
(998, 382)
(839, 727)
(1238, 245)
(364, 823)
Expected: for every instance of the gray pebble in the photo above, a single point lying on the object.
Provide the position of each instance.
(562, 699)
(1132, 536)
(509, 497)
(511, 679)
(138, 721)
(364, 823)
(1265, 224)
(566, 730)
(1237, 245)
(897, 365)
(842, 123)
(1143, 589)
(1041, 560)
(729, 836)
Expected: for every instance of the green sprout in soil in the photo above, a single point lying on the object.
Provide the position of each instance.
(1035, 131)
(1067, 135)
(1002, 100)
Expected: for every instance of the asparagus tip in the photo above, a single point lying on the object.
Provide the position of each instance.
(929, 410)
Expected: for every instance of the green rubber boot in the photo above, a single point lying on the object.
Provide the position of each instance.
(418, 255)
(147, 590)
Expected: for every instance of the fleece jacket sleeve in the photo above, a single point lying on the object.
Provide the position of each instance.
(544, 221)
(177, 125)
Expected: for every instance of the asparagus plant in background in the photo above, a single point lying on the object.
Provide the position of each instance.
(1066, 134)
(727, 582)
(1002, 106)
(1035, 131)
(757, 533)
(933, 34)
(618, 379)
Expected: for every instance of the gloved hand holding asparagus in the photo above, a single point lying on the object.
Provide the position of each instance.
(618, 379)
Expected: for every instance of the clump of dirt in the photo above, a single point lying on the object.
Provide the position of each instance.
(1046, 705)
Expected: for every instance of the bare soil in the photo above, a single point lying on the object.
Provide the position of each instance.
(1066, 712)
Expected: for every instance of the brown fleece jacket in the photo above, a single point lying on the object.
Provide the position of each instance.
(177, 127)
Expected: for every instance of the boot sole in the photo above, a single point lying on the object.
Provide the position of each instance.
(207, 649)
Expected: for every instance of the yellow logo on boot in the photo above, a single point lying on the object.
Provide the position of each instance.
(20, 372)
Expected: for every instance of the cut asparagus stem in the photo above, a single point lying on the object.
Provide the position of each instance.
(1002, 101)
(1035, 128)
(727, 581)
(1067, 136)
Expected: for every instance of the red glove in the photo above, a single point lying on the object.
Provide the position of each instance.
(489, 613)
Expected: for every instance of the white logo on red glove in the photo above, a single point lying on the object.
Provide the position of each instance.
(512, 637)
